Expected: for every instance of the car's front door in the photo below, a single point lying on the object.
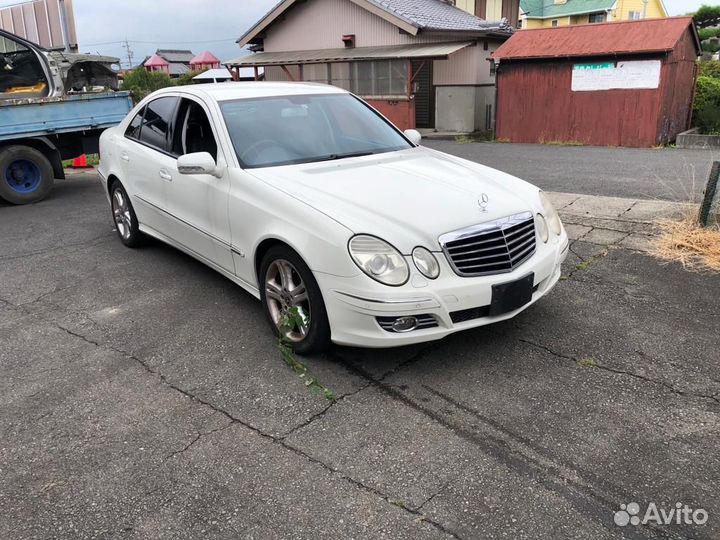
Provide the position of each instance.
(141, 155)
(197, 204)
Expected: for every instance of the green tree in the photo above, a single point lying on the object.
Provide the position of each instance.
(141, 82)
(707, 16)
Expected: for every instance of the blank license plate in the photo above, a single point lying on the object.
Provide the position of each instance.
(507, 297)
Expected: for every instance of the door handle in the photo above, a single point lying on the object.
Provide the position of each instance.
(124, 156)
(165, 175)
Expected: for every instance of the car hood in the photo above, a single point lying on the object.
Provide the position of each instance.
(408, 198)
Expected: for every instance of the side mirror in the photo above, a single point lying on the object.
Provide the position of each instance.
(197, 163)
(414, 135)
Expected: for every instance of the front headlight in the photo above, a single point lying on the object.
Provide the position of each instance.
(551, 215)
(542, 228)
(379, 260)
(426, 262)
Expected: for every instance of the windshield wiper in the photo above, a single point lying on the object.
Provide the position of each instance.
(331, 157)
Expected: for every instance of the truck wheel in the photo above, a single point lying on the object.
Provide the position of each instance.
(26, 175)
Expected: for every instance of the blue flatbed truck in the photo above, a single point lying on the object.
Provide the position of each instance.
(53, 107)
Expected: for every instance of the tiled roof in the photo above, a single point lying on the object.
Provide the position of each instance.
(175, 55)
(177, 68)
(434, 15)
(544, 9)
(431, 15)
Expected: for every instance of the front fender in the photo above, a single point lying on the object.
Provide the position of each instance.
(260, 214)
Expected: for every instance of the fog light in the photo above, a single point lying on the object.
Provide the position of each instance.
(405, 324)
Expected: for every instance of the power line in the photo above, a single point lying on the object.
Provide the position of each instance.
(123, 41)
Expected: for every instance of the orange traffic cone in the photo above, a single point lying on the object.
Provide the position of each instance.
(80, 162)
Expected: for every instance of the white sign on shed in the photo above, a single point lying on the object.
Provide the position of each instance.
(631, 75)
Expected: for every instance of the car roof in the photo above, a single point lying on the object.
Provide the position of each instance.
(239, 90)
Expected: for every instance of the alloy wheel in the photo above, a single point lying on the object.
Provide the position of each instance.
(121, 213)
(285, 290)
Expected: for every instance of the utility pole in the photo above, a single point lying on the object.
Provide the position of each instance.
(130, 55)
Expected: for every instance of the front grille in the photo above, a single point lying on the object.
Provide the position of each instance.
(424, 321)
(491, 248)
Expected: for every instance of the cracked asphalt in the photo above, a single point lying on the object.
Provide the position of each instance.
(142, 396)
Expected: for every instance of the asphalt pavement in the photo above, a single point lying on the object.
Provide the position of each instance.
(659, 173)
(143, 396)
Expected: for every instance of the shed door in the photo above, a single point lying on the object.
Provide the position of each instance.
(424, 94)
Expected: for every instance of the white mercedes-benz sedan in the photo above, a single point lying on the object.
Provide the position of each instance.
(345, 228)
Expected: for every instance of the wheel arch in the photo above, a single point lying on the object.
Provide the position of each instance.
(109, 182)
(263, 247)
(43, 145)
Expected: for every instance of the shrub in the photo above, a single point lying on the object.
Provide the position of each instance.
(709, 69)
(710, 46)
(706, 109)
(141, 82)
(707, 33)
(182, 80)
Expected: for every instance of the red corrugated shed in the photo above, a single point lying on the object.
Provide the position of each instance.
(605, 39)
(614, 84)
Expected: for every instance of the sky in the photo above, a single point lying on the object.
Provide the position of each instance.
(212, 25)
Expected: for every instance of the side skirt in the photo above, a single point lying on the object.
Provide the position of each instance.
(252, 289)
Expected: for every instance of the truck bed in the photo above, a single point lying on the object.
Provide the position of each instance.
(50, 116)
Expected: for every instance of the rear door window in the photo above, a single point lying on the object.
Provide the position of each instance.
(133, 130)
(156, 122)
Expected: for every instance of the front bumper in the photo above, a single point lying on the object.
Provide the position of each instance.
(354, 304)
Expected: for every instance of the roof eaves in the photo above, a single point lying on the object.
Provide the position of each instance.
(584, 55)
(264, 21)
(570, 14)
(490, 29)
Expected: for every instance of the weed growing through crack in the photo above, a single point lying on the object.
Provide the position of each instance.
(289, 321)
(587, 362)
(584, 265)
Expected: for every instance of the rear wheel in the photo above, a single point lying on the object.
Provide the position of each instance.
(126, 222)
(26, 175)
(293, 302)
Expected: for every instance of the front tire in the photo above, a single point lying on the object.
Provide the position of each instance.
(26, 175)
(287, 285)
(126, 222)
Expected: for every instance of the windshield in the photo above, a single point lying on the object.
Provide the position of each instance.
(286, 130)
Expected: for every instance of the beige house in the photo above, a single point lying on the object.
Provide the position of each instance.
(422, 63)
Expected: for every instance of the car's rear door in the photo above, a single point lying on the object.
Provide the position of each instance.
(197, 203)
(142, 155)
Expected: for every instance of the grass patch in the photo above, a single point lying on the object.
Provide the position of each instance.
(685, 241)
(289, 322)
(478, 136)
(562, 143)
(584, 265)
(587, 362)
